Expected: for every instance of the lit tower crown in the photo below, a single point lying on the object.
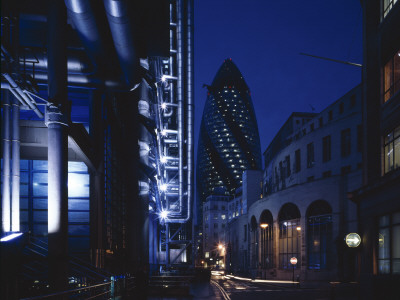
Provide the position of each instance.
(229, 142)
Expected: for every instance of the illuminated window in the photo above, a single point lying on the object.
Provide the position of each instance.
(392, 150)
(319, 235)
(391, 77)
(386, 6)
(289, 236)
(389, 244)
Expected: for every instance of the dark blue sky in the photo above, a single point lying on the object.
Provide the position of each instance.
(264, 39)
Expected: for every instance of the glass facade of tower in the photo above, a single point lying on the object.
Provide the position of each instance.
(229, 141)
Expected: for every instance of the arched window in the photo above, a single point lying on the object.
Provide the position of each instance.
(289, 235)
(254, 242)
(319, 234)
(266, 226)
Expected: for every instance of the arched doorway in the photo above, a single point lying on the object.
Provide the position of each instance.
(319, 235)
(266, 227)
(289, 236)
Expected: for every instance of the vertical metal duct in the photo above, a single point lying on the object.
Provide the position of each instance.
(190, 104)
(123, 36)
(15, 224)
(180, 96)
(82, 16)
(57, 122)
(6, 205)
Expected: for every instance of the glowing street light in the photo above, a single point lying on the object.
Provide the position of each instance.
(163, 105)
(163, 187)
(163, 159)
(263, 225)
(298, 228)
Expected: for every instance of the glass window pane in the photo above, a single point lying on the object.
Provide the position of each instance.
(24, 177)
(396, 218)
(384, 243)
(40, 190)
(396, 241)
(40, 203)
(384, 266)
(397, 153)
(384, 221)
(396, 266)
(40, 178)
(24, 164)
(40, 165)
(75, 166)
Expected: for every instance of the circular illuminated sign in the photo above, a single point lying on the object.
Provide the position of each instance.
(293, 260)
(353, 240)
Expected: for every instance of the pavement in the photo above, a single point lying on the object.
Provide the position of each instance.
(238, 288)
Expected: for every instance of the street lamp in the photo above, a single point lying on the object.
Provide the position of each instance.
(264, 225)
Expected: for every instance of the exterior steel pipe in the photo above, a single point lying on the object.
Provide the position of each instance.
(7, 86)
(14, 86)
(180, 95)
(6, 204)
(123, 36)
(82, 16)
(15, 220)
(190, 105)
(57, 120)
(76, 63)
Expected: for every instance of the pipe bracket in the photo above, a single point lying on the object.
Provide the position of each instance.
(54, 114)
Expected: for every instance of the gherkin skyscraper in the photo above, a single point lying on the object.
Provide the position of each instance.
(229, 142)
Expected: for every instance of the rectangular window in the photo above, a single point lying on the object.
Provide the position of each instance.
(326, 148)
(391, 77)
(215, 225)
(386, 6)
(389, 244)
(310, 155)
(346, 142)
(392, 150)
(327, 174)
(297, 162)
(245, 233)
(330, 115)
(287, 162)
(341, 108)
(312, 127)
(353, 100)
(321, 122)
(359, 138)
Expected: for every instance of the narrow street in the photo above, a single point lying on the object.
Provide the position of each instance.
(238, 288)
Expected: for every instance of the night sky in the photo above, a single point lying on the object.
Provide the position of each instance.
(264, 39)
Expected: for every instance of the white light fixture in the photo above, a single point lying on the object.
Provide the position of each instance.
(164, 214)
(10, 237)
(163, 159)
(163, 105)
(163, 187)
(163, 133)
(163, 78)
